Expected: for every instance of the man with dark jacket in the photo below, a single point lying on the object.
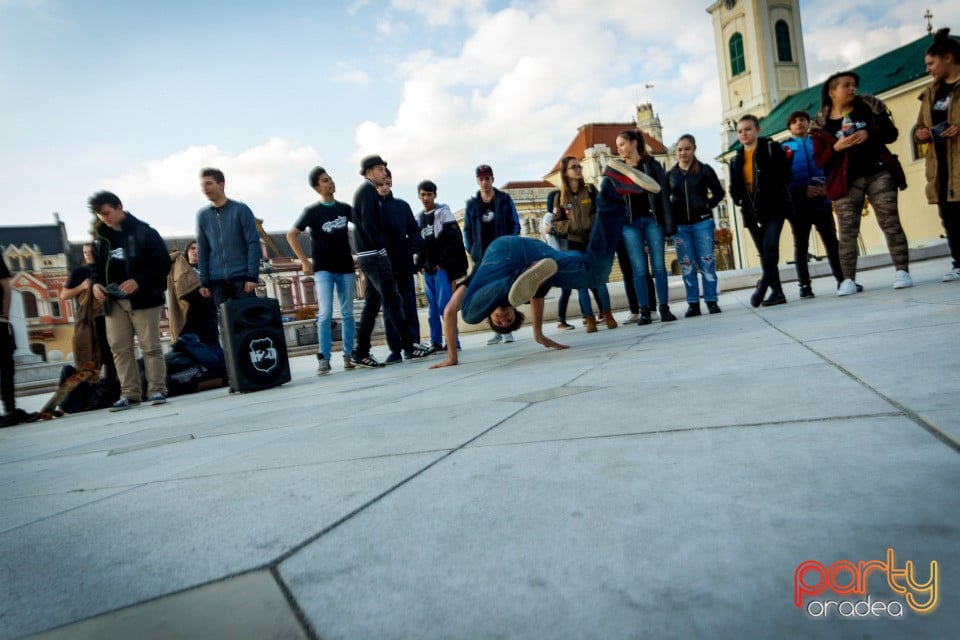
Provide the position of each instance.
(381, 287)
(228, 245)
(403, 243)
(131, 281)
(489, 215)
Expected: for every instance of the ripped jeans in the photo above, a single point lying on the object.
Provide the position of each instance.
(694, 244)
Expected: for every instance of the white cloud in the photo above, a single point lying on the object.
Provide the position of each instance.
(441, 13)
(271, 178)
(347, 74)
(526, 78)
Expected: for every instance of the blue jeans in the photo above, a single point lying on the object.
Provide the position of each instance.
(694, 243)
(508, 256)
(601, 294)
(346, 284)
(642, 232)
(437, 288)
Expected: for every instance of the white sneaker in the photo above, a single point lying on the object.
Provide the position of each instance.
(530, 280)
(902, 280)
(632, 318)
(508, 337)
(952, 275)
(496, 339)
(847, 288)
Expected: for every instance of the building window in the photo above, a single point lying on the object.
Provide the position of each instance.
(738, 63)
(261, 289)
(30, 309)
(309, 291)
(55, 309)
(286, 293)
(782, 32)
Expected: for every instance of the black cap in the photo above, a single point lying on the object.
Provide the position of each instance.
(484, 170)
(369, 162)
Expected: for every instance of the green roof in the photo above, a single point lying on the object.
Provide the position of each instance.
(892, 69)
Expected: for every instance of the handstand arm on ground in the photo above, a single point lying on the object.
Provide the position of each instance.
(450, 325)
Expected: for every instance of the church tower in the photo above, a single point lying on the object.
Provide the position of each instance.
(648, 121)
(760, 57)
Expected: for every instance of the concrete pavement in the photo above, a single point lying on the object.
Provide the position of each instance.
(649, 482)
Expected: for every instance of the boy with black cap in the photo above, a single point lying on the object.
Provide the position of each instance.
(489, 215)
(381, 287)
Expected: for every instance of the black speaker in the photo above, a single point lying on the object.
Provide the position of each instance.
(253, 344)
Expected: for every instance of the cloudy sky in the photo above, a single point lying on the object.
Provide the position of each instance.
(136, 96)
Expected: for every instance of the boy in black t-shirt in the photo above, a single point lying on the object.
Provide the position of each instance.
(332, 266)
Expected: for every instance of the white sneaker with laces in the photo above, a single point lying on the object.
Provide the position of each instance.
(951, 276)
(632, 318)
(847, 288)
(902, 280)
(496, 339)
(508, 337)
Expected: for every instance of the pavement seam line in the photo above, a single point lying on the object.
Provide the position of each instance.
(908, 413)
(299, 613)
(717, 427)
(372, 501)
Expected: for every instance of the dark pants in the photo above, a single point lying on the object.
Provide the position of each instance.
(809, 213)
(408, 294)
(380, 289)
(223, 291)
(950, 217)
(6, 367)
(627, 270)
(562, 305)
(767, 240)
(202, 319)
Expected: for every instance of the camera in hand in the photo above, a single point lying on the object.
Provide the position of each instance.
(113, 290)
(937, 130)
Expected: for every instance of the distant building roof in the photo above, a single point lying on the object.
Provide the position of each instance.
(527, 184)
(592, 134)
(892, 69)
(51, 239)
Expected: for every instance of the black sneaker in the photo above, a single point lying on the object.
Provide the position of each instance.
(644, 317)
(713, 307)
(757, 296)
(420, 351)
(775, 298)
(693, 310)
(15, 417)
(665, 314)
(806, 291)
(367, 361)
(393, 358)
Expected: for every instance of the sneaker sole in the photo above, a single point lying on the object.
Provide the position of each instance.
(529, 281)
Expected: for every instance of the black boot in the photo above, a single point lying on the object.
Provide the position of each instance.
(757, 296)
(693, 309)
(644, 317)
(665, 315)
(806, 291)
(776, 297)
(713, 307)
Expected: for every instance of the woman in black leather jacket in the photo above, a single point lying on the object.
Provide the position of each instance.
(694, 191)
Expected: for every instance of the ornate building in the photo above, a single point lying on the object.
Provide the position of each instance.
(764, 86)
(38, 257)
